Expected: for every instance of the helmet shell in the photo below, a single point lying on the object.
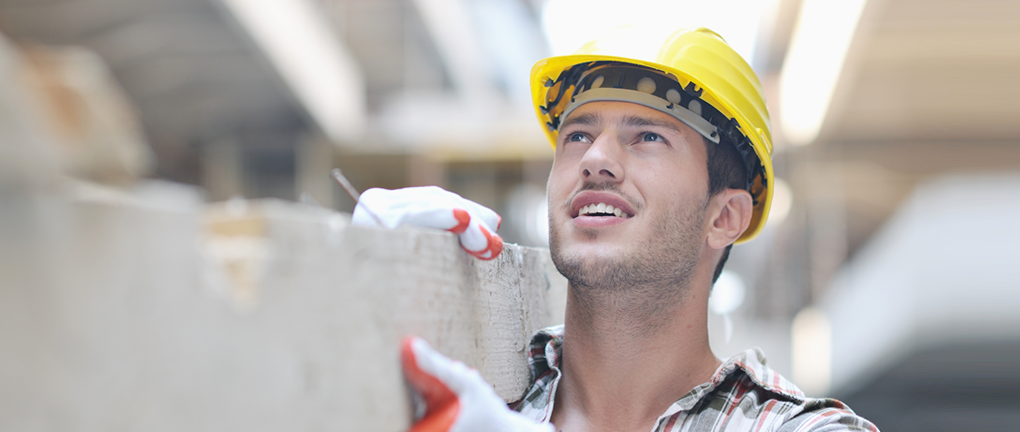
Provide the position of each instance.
(700, 57)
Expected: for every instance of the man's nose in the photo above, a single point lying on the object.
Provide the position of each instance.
(601, 163)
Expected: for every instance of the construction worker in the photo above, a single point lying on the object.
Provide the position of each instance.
(662, 163)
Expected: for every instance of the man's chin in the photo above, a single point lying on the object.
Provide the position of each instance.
(588, 267)
(593, 258)
(606, 266)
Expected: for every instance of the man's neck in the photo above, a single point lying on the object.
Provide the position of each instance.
(623, 366)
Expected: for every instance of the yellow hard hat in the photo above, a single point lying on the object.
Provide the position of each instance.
(692, 75)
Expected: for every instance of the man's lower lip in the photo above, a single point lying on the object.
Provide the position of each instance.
(598, 221)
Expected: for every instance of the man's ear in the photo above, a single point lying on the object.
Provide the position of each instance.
(731, 215)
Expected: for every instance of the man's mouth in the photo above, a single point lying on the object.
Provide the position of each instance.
(602, 209)
(598, 208)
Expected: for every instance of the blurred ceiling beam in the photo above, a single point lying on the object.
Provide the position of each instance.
(311, 58)
(487, 49)
(925, 88)
(193, 77)
(938, 70)
(449, 24)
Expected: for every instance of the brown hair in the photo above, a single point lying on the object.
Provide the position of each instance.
(725, 171)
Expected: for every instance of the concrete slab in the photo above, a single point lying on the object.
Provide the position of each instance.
(247, 315)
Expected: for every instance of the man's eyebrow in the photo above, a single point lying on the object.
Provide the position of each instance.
(586, 119)
(644, 121)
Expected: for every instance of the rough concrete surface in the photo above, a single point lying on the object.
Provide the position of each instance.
(122, 314)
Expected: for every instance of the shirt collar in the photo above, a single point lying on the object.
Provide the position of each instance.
(751, 363)
(547, 346)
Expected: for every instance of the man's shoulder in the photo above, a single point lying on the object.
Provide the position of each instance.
(749, 395)
(825, 414)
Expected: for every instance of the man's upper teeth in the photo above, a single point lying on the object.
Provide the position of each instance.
(602, 208)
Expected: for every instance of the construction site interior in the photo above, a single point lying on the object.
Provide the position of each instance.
(174, 254)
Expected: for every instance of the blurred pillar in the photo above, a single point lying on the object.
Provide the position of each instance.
(424, 171)
(476, 181)
(826, 225)
(222, 169)
(314, 161)
(536, 171)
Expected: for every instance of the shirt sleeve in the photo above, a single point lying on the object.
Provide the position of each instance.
(827, 415)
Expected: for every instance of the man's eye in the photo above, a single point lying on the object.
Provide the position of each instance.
(577, 137)
(649, 136)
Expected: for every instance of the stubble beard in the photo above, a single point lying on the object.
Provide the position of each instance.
(644, 285)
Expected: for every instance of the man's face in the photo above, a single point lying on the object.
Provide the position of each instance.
(650, 169)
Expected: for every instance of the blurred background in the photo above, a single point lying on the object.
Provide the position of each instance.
(887, 274)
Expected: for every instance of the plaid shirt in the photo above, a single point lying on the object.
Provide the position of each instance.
(766, 400)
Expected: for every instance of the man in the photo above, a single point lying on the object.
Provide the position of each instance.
(663, 161)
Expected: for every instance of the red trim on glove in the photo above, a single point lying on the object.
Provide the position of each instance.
(495, 243)
(463, 219)
(442, 403)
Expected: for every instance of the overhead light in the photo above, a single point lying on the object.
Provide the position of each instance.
(811, 340)
(782, 201)
(813, 64)
(727, 293)
(569, 24)
(528, 216)
(310, 58)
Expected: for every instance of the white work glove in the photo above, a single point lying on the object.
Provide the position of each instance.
(457, 399)
(433, 207)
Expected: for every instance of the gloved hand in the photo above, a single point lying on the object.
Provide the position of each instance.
(457, 398)
(433, 207)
